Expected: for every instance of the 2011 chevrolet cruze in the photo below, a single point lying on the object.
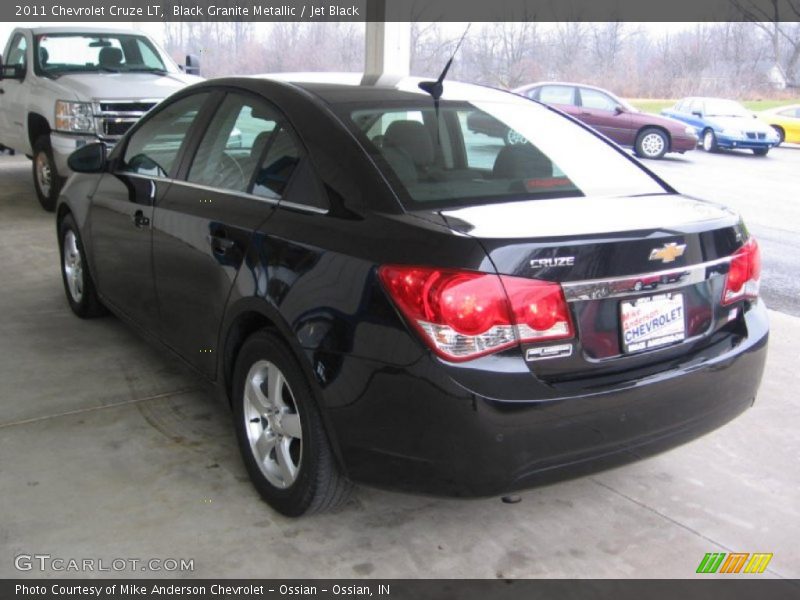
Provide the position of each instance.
(386, 297)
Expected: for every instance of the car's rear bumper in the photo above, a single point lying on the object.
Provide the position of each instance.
(417, 429)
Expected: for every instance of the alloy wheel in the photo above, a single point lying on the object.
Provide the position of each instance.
(272, 423)
(653, 145)
(73, 266)
(44, 174)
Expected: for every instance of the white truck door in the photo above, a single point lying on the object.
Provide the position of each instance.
(13, 114)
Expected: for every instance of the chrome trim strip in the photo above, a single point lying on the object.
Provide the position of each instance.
(668, 279)
(272, 201)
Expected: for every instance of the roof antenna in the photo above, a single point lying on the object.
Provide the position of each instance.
(435, 88)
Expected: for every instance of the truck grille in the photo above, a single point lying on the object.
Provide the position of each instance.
(114, 117)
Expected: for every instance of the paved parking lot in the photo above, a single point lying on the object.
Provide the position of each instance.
(110, 448)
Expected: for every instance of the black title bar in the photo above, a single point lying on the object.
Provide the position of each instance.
(399, 10)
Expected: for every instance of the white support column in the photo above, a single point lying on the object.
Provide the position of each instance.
(388, 44)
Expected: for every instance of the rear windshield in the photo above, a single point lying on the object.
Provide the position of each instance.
(475, 153)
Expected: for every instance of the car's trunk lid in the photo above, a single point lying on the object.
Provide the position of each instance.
(621, 261)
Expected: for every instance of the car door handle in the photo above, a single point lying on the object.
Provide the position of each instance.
(220, 244)
(139, 220)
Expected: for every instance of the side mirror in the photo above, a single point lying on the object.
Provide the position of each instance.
(618, 110)
(192, 66)
(12, 72)
(697, 113)
(90, 158)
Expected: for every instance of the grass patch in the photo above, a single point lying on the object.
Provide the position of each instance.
(652, 105)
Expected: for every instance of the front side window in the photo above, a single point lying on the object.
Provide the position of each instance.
(91, 52)
(434, 158)
(557, 94)
(153, 148)
(597, 100)
(247, 148)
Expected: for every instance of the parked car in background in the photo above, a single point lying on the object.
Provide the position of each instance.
(785, 120)
(64, 87)
(651, 136)
(724, 124)
(382, 298)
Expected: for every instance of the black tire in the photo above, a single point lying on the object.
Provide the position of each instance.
(709, 141)
(760, 151)
(651, 143)
(781, 135)
(318, 484)
(86, 305)
(46, 180)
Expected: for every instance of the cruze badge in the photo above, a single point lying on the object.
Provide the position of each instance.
(668, 252)
(556, 261)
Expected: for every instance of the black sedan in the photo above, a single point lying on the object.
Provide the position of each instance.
(383, 298)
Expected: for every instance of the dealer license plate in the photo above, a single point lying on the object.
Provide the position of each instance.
(652, 321)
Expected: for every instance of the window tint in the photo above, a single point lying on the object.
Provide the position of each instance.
(548, 156)
(680, 106)
(790, 112)
(153, 148)
(17, 54)
(557, 94)
(597, 100)
(246, 142)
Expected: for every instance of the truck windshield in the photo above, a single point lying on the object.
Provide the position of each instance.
(466, 153)
(85, 52)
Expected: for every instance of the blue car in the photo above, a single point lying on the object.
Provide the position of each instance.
(722, 123)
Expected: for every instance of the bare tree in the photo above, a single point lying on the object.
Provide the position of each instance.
(770, 16)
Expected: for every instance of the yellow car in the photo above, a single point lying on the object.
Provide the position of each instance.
(785, 120)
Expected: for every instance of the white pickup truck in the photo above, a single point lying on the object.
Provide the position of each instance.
(64, 87)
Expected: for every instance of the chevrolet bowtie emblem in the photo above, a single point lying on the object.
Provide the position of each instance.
(668, 252)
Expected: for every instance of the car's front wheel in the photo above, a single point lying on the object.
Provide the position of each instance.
(78, 283)
(46, 179)
(280, 431)
(710, 141)
(651, 143)
(781, 134)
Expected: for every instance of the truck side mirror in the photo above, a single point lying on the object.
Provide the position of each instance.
(192, 66)
(90, 158)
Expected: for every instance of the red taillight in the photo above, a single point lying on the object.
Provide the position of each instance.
(744, 273)
(464, 314)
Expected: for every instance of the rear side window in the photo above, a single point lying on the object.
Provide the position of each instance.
(153, 147)
(247, 147)
(557, 94)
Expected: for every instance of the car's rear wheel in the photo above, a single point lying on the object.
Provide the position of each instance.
(78, 283)
(651, 143)
(781, 134)
(760, 151)
(46, 179)
(710, 141)
(280, 431)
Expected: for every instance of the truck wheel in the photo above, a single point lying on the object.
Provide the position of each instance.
(280, 431)
(46, 179)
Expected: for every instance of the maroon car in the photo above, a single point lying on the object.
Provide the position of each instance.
(651, 136)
